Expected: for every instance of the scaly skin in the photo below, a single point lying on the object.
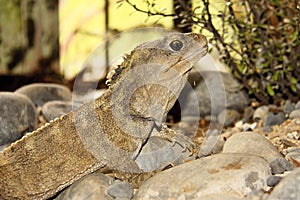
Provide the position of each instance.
(109, 131)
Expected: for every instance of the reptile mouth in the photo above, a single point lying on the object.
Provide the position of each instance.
(195, 57)
(201, 52)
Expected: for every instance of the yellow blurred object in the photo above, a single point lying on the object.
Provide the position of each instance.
(82, 28)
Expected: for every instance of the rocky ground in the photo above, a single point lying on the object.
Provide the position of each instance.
(244, 150)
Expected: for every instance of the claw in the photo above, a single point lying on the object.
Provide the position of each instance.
(177, 137)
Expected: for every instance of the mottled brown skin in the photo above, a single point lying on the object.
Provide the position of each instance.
(109, 131)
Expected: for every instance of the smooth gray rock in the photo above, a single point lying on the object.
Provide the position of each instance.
(91, 187)
(228, 117)
(260, 113)
(212, 145)
(297, 106)
(251, 143)
(274, 119)
(158, 153)
(288, 188)
(54, 109)
(288, 107)
(120, 190)
(280, 165)
(273, 180)
(233, 174)
(294, 114)
(40, 93)
(213, 92)
(222, 196)
(18, 116)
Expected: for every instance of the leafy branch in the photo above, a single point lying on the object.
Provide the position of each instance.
(259, 40)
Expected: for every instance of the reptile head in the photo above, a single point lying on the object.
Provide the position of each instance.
(151, 78)
(176, 50)
(179, 51)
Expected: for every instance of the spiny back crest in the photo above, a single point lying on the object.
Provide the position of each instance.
(137, 57)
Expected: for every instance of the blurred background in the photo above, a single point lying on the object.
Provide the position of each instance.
(50, 40)
(53, 41)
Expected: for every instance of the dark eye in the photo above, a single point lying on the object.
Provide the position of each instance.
(176, 45)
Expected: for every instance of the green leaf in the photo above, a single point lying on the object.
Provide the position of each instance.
(293, 80)
(294, 88)
(275, 76)
(270, 90)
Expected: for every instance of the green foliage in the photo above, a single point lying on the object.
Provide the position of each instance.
(259, 40)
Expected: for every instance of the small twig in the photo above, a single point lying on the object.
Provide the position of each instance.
(150, 13)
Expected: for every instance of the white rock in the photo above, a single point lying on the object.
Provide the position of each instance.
(233, 174)
(251, 143)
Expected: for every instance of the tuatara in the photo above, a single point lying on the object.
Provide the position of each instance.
(110, 131)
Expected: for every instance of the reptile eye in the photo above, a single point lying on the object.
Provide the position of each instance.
(176, 45)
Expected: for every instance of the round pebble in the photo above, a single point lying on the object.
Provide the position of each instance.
(288, 188)
(18, 116)
(212, 145)
(297, 106)
(40, 93)
(274, 119)
(260, 113)
(120, 190)
(294, 114)
(221, 196)
(54, 109)
(238, 174)
(251, 143)
(280, 165)
(91, 187)
(273, 180)
(288, 107)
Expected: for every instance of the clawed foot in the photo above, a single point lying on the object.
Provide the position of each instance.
(176, 137)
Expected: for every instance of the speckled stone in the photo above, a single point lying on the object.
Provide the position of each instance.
(211, 145)
(274, 119)
(54, 109)
(273, 180)
(40, 93)
(158, 152)
(238, 174)
(288, 188)
(288, 107)
(91, 187)
(18, 116)
(222, 196)
(251, 143)
(260, 113)
(280, 165)
(120, 190)
(294, 114)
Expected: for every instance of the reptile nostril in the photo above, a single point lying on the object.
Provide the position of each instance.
(196, 37)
